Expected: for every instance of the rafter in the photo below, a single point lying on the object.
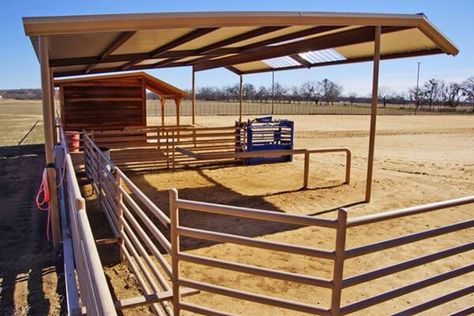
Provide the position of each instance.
(234, 70)
(301, 60)
(174, 43)
(330, 63)
(129, 57)
(351, 61)
(119, 41)
(240, 37)
(292, 36)
(350, 37)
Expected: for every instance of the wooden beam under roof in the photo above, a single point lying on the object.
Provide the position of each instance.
(234, 70)
(170, 45)
(119, 41)
(63, 62)
(433, 51)
(301, 60)
(238, 38)
(278, 39)
(350, 37)
(239, 72)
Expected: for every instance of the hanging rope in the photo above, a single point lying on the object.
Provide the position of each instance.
(42, 199)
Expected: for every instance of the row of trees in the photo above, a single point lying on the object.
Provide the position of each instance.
(430, 93)
(325, 91)
(437, 92)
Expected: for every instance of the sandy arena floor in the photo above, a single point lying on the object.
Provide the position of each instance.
(418, 160)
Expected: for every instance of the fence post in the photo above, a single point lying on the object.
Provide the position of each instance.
(119, 214)
(306, 170)
(174, 222)
(348, 166)
(338, 272)
(98, 177)
(173, 150)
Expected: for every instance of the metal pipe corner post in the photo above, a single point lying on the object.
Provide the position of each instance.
(193, 100)
(48, 121)
(240, 98)
(373, 114)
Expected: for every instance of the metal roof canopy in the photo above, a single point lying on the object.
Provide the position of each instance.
(243, 42)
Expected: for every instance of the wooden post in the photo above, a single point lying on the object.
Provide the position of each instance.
(162, 102)
(119, 214)
(49, 137)
(240, 98)
(338, 271)
(306, 170)
(53, 107)
(177, 101)
(174, 221)
(193, 99)
(373, 114)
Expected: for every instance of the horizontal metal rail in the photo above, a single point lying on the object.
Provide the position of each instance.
(250, 269)
(203, 310)
(94, 291)
(258, 298)
(373, 218)
(353, 307)
(375, 274)
(255, 214)
(390, 243)
(437, 301)
(256, 243)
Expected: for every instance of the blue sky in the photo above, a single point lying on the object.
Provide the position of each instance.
(20, 69)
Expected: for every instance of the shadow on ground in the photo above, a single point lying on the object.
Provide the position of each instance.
(27, 264)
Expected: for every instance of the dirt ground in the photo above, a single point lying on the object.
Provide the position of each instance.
(29, 282)
(418, 160)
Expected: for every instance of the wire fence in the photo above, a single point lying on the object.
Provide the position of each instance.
(213, 108)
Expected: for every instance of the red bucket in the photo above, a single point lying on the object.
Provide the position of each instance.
(73, 139)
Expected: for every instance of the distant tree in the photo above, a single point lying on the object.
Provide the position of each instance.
(431, 91)
(467, 87)
(452, 94)
(280, 92)
(330, 90)
(309, 91)
(295, 94)
(248, 91)
(384, 94)
(415, 96)
(262, 94)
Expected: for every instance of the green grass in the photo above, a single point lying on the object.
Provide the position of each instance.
(16, 118)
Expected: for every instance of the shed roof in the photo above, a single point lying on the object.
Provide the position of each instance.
(155, 85)
(243, 42)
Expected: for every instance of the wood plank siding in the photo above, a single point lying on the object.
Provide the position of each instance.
(104, 104)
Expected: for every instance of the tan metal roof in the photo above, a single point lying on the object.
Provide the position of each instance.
(154, 84)
(243, 42)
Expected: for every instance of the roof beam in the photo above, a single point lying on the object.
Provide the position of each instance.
(350, 37)
(237, 71)
(234, 70)
(292, 36)
(75, 61)
(170, 45)
(278, 39)
(119, 41)
(240, 37)
(351, 61)
(301, 60)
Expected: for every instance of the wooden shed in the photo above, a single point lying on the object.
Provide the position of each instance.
(112, 101)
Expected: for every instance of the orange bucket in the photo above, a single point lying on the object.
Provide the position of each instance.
(73, 139)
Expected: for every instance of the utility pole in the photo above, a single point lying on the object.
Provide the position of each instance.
(417, 87)
(273, 90)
